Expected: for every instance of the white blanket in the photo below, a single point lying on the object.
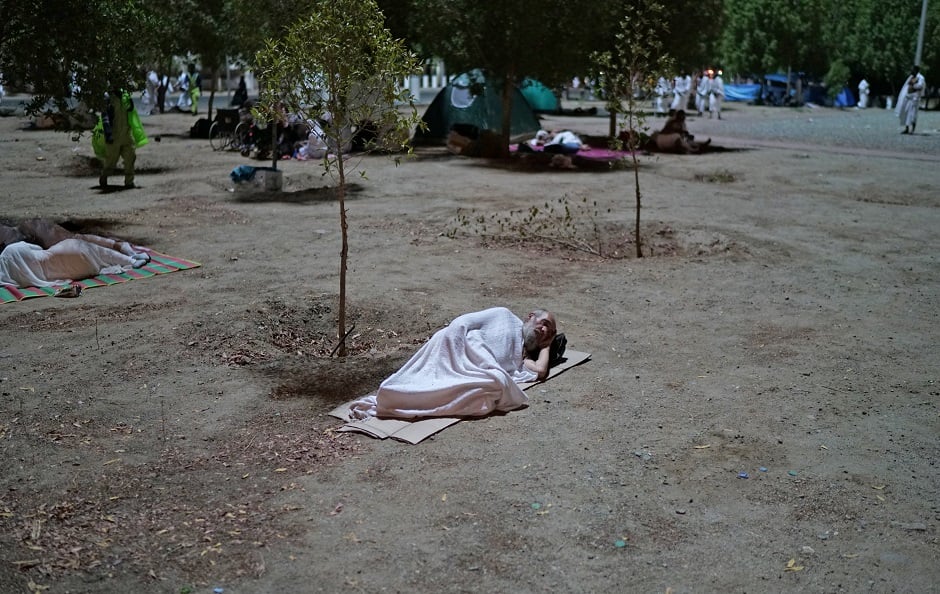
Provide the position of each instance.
(28, 265)
(468, 369)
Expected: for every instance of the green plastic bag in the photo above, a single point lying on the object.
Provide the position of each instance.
(97, 139)
(137, 129)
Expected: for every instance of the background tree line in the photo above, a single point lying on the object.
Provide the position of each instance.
(54, 47)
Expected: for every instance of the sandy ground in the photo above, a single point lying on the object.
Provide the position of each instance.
(170, 434)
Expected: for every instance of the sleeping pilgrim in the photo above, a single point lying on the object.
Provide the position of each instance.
(469, 368)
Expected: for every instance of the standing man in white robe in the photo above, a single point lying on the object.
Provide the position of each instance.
(185, 102)
(681, 92)
(863, 92)
(660, 92)
(909, 100)
(716, 93)
(701, 92)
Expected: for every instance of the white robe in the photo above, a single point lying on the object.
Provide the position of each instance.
(25, 264)
(659, 101)
(909, 100)
(701, 94)
(681, 92)
(470, 368)
(716, 93)
(863, 92)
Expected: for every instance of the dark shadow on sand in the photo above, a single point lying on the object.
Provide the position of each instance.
(304, 196)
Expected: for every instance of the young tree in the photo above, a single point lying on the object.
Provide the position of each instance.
(339, 65)
(632, 65)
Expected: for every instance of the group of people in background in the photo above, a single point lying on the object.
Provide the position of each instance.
(189, 83)
(709, 93)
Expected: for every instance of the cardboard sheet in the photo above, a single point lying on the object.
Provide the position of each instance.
(416, 431)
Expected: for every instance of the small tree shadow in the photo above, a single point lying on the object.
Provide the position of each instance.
(304, 196)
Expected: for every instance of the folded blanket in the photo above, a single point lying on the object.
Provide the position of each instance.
(470, 368)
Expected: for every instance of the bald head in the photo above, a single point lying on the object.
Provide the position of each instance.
(538, 330)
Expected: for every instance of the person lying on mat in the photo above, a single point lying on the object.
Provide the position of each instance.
(564, 142)
(67, 258)
(46, 234)
(469, 368)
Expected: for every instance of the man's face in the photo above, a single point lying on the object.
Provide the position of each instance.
(538, 331)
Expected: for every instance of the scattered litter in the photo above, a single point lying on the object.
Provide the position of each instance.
(878, 487)
(645, 456)
(791, 472)
(792, 566)
(763, 469)
(536, 506)
(743, 475)
(69, 291)
(620, 543)
(702, 447)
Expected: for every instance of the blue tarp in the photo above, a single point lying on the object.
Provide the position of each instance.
(742, 92)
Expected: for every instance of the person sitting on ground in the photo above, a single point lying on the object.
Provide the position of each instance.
(674, 136)
(469, 368)
(42, 254)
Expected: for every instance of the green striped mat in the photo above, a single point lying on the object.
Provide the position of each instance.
(159, 264)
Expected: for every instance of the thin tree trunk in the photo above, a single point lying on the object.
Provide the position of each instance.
(344, 252)
(506, 132)
(636, 181)
(274, 143)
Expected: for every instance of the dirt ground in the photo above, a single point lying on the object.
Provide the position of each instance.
(170, 435)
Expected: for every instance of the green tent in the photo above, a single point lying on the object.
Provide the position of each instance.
(469, 101)
(540, 97)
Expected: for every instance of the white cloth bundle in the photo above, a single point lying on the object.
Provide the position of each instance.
(469, 368)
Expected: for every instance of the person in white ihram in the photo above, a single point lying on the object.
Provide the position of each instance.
(60, 256)
(909, 100)
(470, 368)
(716, 93)
(701, 93)
(681, 90)
(864, 89)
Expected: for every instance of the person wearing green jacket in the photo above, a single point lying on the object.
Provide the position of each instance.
(118, 136)
(195, 87)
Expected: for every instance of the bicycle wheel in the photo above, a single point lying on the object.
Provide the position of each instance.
(217, 139)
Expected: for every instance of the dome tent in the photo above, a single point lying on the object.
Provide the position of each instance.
(540, 97)
(471, 100)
